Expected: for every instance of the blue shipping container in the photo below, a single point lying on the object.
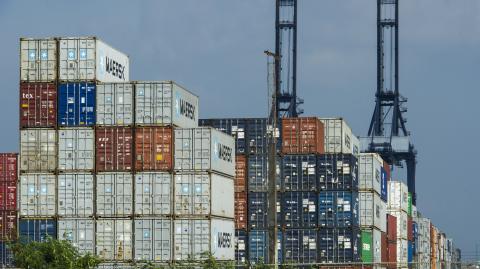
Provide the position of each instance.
(37, 229)
(258, 246)
(300, 246)
(241, 246)
(257, 210)
(299, 209)
(410, 252)
(337, 172)
(6, 255)
(234, 127)
(257, 172)
(338, 209)
(76, 104)
(339, 245)
(257, 136)
(299, 172)
(384, 186)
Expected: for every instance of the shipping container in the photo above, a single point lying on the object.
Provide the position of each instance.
(193, 237)
(241, 215)
(402, 253)
(302, 136)
(203, 194)
(370, 172)
(258, 210)
(237, 128)
(339, 137)
(6, 255)
(258, 243)
(8, 225)
(153, 239)
(88, 58)
(409, 204)
(409, 228)
(384, 186)
(165, 103)
(80, 232)
(373, 211)
(300, 246)
(8, 167)
(38, 59)
(8, 195)
(258, 130)
(115, 103)
(391, 227)
(337, 172)
(38, 104)
(114, 149)
(38, 195)
(76, 149)
(410, 252)
(383, 248)
(257, 171)
(299, 209)
(75, 195)
(204, 149)
(299, 173)
(37, 229)
(402, 223)
(422, 242)
(241, 240)
(339, 245)
(240, 173)
(114, 239)
(38, 150)
(397, 196)
(338, 209)
(114, 194)
(153, 148)
(153, 192)
(392, 254)
(371, 245)
(76, 104)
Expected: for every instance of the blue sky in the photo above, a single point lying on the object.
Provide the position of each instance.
(215, 48)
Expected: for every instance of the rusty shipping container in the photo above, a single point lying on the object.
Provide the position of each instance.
(302, 136)
(8, 181)
(392, 255)
(153, 148)
(410, 229)
(8, 195)
(8, 225)
(38, 105)
(391, 228)
(240, 173)
(114, 149)
(383, 248)
(241, 210)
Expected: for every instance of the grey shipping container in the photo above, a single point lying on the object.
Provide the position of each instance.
(76, 149)
(37, 195)
(204, 194)
(165, 103)
(204, 149)
(114, 194)
(75, 195)
(38, 150)
(38, 59)
(153, 193)
(153, 239)
(80, 232)
(114, 239)
(114, 103)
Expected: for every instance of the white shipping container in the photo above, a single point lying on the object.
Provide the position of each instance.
(402, 223)
(373, 211)
(423, 242)
(204, 149)
(75, 195)
(339, 137)
(397, 196)
(37, 195)
(153, 239)
(80, 232)
(402, 253)
(194, 237)
(114, 194)
(88, 58)
(38, 59)
(38, 150)
(76, 149)
(153, 193)
(370, 172)
(114, 239)
(114, 104)
(165, 103)
(204, 194)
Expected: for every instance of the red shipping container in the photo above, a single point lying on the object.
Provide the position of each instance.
(386, 166)
(38, 105)
(240, 210)
(154, 148)
(114, 149)
(240, 172)
(384, 249)
(8, 225)
(391, 228)
(392, 255)
(302, 136)
(8, 195)
(8, 167)
(410, 229)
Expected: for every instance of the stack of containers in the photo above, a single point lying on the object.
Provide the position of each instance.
(441, 243)
(373, 208)
(422, 242)
(8, 204)
(398, 207)
(339, 233)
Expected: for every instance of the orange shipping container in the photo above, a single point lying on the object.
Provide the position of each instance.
(433, 247)
(240, 210)
(302, 136)
(240, 172)
(153, 148)
(114, 149)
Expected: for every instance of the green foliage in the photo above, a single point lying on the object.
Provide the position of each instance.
(51, 254)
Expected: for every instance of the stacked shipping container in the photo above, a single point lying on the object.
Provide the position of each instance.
(398, 207)
(8, 204)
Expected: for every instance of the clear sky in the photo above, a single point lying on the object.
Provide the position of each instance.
(215, 48)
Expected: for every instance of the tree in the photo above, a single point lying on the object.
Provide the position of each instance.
(51, 254)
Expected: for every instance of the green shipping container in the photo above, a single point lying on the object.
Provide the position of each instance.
(367, 247)
(409, 204)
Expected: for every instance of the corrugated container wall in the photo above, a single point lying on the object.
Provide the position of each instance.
(339, 137)
(302, 136)
(8, 181)
(153, 239)
(257, 210)
(38, 150)
(370, 172)
(8, 225)
(241, 241)
(75, 195)
(38, 195)
(6, 255)
(76, 104)
(257, 173)
(88, 58)
(391, 227)
(237, 128)
(37, 229)
(397, 196)
(373, 211)
(38, 59)
(153, 191)
(299, 173)
(299, 209)
(165, 103)
(114, 194)
(114, 149)
(257, 136)
(38, 105)
(300, 246)
(240, 173)
(337, 172)
(153, 148)
(339, 245)
(258, 246)
(114, 239)
(241, 204)
(402, 253)
(371, 246)
(115, 103)
(76, 149)
(402, 223)
(80, 232)
(338, 209)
